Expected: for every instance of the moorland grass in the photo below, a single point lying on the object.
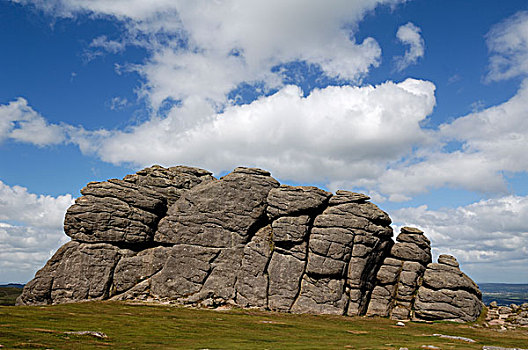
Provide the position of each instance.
(155, 326)
(8, 295)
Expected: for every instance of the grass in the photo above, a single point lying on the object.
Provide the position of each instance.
(152, 326)
(8, 295)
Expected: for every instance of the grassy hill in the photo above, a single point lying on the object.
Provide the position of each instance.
(149, 326)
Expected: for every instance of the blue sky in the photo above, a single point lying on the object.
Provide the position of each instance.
(421, 104)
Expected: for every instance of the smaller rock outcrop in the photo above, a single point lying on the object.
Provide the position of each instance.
(77, 271)
(447, 293)
(511, 316)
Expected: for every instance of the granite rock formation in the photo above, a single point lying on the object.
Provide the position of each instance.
(180, 235)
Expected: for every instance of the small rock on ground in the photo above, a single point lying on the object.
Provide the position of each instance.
(90, 333)
(469, 340)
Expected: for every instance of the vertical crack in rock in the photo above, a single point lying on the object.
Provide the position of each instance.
(258, 225)
(310, 226)
(180, 235)
(252, 281)
(285, 269)
(382, 297)
(108, 287)
(368, 278)
(396, 288)
(267, 276)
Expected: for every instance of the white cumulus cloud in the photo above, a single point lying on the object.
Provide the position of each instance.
(20, 122)
(30, 231)
(409, 34)
(492, 142)
(508, 45)
(205, 49)
(488, 237)
(336, 133)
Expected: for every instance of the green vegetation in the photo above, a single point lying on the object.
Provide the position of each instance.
(8, 295)
(149, 326)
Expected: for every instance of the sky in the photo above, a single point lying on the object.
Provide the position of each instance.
(422, 105)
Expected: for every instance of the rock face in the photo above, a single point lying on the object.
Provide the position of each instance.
(182, 236)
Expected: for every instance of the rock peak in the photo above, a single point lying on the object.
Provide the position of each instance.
(251, 171)
(411, 230)
(342, 197)
(448, 260)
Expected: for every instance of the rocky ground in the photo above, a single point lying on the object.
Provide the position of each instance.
(507, 317)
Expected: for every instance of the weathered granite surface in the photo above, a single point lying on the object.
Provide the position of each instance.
(180, 235)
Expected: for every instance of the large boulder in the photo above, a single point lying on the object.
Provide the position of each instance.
(77, 271)
(253, 279)
(289, 200)
(179, 235)
(129, 210)
(447, 293)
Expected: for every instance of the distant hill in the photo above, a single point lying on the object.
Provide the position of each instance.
(504, 293)
(12, 285)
